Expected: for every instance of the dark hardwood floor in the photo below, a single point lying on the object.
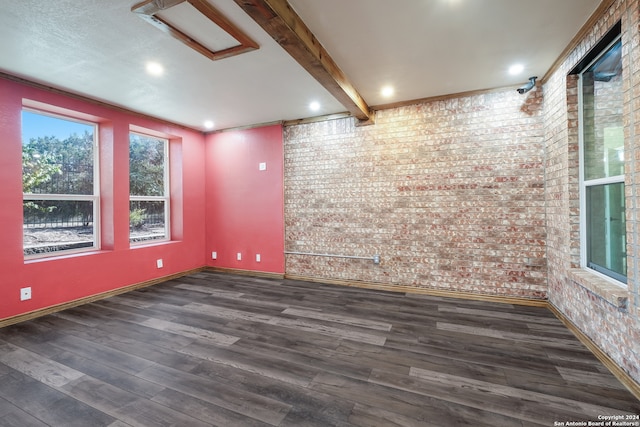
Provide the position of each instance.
(216, 349)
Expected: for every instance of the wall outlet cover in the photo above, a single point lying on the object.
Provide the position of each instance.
(25, 294)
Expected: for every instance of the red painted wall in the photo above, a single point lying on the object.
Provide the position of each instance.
(244, 204)
(66, 278)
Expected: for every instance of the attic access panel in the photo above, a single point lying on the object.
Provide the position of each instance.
(197, 24)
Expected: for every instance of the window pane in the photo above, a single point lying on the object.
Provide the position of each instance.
(57, 225)
(147, 220)
(606, 240)
(146, 165)
(602, 97)
(57, 155)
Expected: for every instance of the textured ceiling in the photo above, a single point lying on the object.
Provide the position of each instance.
(423, 48)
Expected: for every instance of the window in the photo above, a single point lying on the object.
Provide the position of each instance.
(59, 184)
(148, 188)
(602, 198)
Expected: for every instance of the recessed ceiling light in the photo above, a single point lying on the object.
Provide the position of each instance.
(516, 69)
(314, 106)
(387, 91)
(154, 68)
(208, 124)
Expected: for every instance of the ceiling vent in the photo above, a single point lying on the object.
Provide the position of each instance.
(197, 24)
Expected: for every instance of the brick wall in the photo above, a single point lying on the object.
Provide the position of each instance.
(472, 194)
(449, 193)
(615, 328)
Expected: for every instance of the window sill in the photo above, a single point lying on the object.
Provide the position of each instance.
(609, 291)
(150, 243)
(54, 256)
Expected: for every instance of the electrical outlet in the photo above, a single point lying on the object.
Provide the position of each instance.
(262, 166)
(25, 294)
(159, 263)
(239, 257)
(214, 255)
(257, 257)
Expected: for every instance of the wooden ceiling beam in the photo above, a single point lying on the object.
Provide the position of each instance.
(282, 23)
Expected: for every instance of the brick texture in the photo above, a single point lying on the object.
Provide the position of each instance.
(449, 193)
(473, 194)
(613, 327)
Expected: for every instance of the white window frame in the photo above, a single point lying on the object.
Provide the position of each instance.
(592, 182)
(166, 198)
(95, 197)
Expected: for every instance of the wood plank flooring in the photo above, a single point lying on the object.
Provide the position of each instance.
(223, 350)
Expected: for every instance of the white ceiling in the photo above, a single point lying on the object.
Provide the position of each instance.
(424, 48)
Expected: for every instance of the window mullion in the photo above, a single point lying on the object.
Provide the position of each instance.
(72, 197)
(147, 198)
(604, 181)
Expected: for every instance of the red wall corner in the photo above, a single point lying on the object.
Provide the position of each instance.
(245, 205)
